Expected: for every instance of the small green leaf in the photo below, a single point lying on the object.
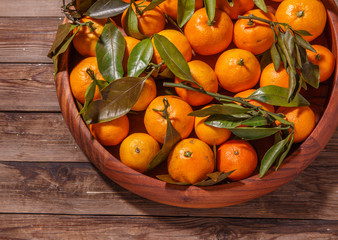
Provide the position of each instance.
(153, 4)
(210, 7)
(185, 9)
(278, 96)
(252, 133)
(280, 117)
(287, 149)
(214, 178)
(223, 121)
(303, 32)
(298, 56)
(61, 35)
(167, 178)
(281, 54)
(276, 58)
(310, 73)
(140, 57)
(261, 5)
(225, 109)
(293, 82)
(173, 58)
(131, 25)
(109, 52)
(303, 43)
(256, 121)
(89, 95)
(117, 100)
(106, 8)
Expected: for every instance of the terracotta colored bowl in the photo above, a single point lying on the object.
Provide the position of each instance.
(212, 196)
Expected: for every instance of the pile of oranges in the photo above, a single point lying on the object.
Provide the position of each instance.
(223, 56)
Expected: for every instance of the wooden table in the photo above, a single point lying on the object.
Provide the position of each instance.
(49, 190)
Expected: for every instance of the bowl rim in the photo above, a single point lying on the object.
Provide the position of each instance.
(193, 196)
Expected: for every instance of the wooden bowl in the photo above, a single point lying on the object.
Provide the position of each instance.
(211, 196)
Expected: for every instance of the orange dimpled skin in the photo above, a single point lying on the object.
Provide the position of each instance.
(80, 80)
(270, 76)
(303, 118)
(111, 133)
(309, 15)
(204, 75)
(239, 7)
(237, 70)
(190, 161)
(247, 93)
(209, 39)
(169, 7)
(237, 155)
(324, 59)
(156, 124)
(85, 40)
(254, 36)
(151, 21)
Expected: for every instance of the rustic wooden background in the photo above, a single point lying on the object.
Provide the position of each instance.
(49, 190)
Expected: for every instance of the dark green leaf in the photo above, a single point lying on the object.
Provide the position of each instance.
(251, 133)
(278, 96)
(167, 178)
(109, 52)
(278, 117)
(185, 9)
(89, 95)
(261, 5)
(101, 84)
(303, 32)
(293, 82)
(271, 156)
(225, 109)
(106, 8)
(289, 44)
(276, 58)
(152, 5)
(310, 73)
(61, 35)
(284, 50)
(140, 57)
(223, 121)
(83, 5)
(303, 43)
(173, 23)
(281, 54)
(131, 25)
(210, 7)
(173, 58)
(298, 56)
(256, 121)
(214, 178)
(117, 100)
(286, 151)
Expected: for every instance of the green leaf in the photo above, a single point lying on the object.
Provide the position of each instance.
(171, 138)
(167, 178)
(265, 60)
(298, 56)
(140, 57)
(276, 58)
(278, 96)
(281, 54)
(109, 52)
(173, 58)
(214, 178)
(252, 133)
(303, 43)
(287, 149)
(225, 109)
(131, 25)
(293, 82)
(185, 9)
(106, 8)
(256, 121)
(210, 7)
(61, 35)
(152, 5)
(89, 95)
(310, 73)
(83, 5)
(271, 156)
(117, 100)
(261, 5)
(303, 32)
(280, 117)
(223, 121)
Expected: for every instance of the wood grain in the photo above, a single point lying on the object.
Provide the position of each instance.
(77, 188)
(118, 227)
(27, 39)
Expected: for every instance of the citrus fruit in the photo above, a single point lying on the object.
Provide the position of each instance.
(309, 15)
(111, 133)
(169, 7)
(80, 80)
(237, 70)
(236, 155)
(148, 93)
(137, 150)
(254, 36)
(247, 93)
(180, 42)
(85, 40)
(204, 75)
(156, 124)
(208, 39)
(150, 22)
(130, 44)
(190, 161)
(239, 7)
(324, 59)
(209, 134)
(303, 118)
(270, 76)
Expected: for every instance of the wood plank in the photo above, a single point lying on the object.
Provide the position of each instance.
(27, 87)
(132, 227)
(31, 8)
(77, 188)
(27, 39)
(37, 137)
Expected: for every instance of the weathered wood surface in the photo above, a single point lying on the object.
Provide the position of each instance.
(114, 227)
